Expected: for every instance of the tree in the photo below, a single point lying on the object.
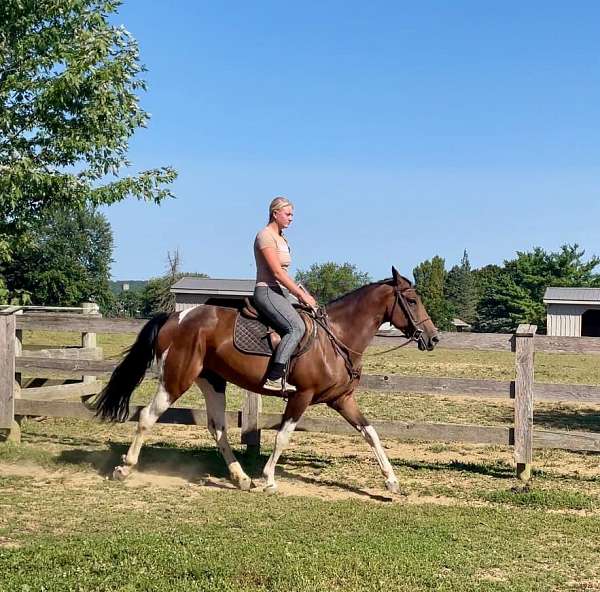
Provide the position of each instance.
(514, 293)
(326, 281)
(64, 259)
(461, 291)
(503, 305)
(430, 277)
(68, 106)
(156, 295)
(127, 303)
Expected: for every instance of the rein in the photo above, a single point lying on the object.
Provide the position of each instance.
(321, 318)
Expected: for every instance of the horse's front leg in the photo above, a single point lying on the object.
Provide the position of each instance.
(348, 408)
(296, 406)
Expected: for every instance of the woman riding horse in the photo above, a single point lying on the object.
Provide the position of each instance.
(273, 284)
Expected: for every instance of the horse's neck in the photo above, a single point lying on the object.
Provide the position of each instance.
(357, 317)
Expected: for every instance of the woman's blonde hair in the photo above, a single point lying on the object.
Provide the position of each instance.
(277, 204)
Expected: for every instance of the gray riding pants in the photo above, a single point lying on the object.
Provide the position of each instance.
(272, 302)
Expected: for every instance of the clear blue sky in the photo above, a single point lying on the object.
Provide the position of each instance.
(401, 130)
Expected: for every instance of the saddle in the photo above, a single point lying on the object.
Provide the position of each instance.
(253, 335)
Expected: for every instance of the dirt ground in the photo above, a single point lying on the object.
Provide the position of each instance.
(78, 454)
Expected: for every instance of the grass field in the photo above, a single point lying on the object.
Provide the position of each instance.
(462, 522)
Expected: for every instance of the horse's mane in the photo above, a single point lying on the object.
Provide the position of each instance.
(357, 290)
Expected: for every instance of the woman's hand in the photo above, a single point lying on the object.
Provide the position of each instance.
(307, 299)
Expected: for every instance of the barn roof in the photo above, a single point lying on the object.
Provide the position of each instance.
(195, 285)
(572, 295)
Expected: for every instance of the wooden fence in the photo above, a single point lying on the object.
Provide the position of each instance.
(54, 401)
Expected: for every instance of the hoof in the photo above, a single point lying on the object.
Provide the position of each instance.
(393, 486)
(270, 488)
(245, 484)
(121, 473)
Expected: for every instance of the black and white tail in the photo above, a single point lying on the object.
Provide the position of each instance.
(112, 403)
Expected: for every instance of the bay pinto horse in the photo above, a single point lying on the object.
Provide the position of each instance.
(196, 345)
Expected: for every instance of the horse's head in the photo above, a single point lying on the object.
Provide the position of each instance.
(408, 314)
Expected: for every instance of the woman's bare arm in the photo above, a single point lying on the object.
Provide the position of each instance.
(272, 259)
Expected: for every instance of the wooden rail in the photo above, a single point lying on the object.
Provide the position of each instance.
(404, 431)
(504, 342)
(391, 383)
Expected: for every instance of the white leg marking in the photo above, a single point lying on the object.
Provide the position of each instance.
(371, 436)
(148, 417)
(184, 313)
(215, 411)
(281, 441)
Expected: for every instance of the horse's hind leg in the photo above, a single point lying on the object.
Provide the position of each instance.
(213, 388)
(172, 383)
(148, 417)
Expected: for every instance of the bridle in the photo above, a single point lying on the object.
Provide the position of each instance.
(321, 318)
(417, 334)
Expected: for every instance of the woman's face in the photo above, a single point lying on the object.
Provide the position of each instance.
(284, 216)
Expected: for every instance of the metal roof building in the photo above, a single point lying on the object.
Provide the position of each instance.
(573, 312)
(460, 326)
(190, 291)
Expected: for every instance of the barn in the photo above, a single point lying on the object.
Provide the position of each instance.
(190, 291)
(573, 312)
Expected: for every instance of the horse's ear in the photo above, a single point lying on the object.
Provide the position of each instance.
(399, 280)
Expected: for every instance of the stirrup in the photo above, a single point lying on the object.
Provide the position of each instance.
(279, 385)
(273, 384)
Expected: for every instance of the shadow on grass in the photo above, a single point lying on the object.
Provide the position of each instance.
(331, 483)
(497, 470)
(191, 464)
(586, 420)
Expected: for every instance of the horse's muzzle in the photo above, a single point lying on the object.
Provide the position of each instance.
(427, 343)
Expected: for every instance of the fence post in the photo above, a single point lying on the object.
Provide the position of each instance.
(7, 374)
(88, 340)
(524, 367)
(250, 422)
(18, 352)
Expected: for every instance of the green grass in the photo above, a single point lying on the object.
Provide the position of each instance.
(549, 368)
(558, 500)
(64, 526)
(114, 538)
